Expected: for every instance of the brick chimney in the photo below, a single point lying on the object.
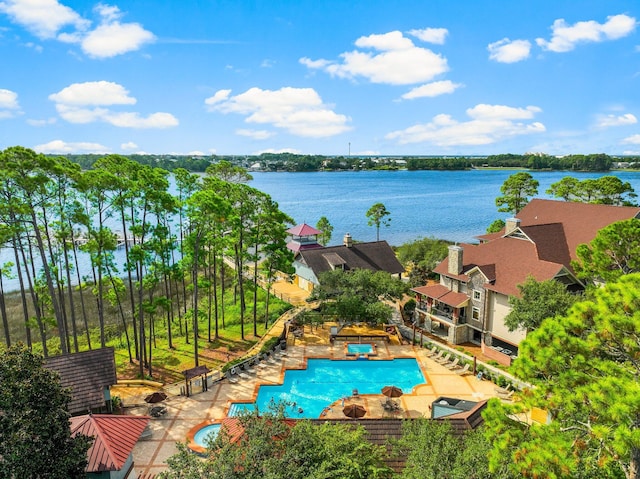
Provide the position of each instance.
(455, 259)
(347, 241)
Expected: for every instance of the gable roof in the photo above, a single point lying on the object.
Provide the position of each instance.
(375, 256)
(87, 374)
(114, 438)
(581, 221)
(443, 294)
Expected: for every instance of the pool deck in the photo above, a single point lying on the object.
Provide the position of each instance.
(150, 453)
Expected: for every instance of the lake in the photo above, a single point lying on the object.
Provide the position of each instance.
(453, 205)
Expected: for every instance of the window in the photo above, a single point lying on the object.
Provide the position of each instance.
(475, 314)
(476, 295)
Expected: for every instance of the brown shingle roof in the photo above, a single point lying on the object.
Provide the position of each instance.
(87, 374)
(375, 256)
(581, 221)
(114, 438)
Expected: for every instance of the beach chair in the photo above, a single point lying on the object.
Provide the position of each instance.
(464, 371)
(506, 396)
(432, 351)
(500, 390)
(438, 355)
(261, 363)
(445, 359)
(453, 365)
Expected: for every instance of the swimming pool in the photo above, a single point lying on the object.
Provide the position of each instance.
(326, 381)
(211, 432)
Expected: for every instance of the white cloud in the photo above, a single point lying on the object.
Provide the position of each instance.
(9, 106)
(196, 153)
(111, 39)
(299, 111)
(565, 37)
(606, 121)
(48, 19)
(431, 35)
(432, 89)
(219, 96)
(395, 60)
(507, 51)
(93, 93)
(255, 134)
(85, 102)
(61, 147)
(633, 139)
(130, 145)
(483, 111)
(489, 124)
(44, 18)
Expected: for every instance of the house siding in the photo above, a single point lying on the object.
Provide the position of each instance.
(499, 309)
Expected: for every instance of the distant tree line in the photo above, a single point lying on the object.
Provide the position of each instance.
(291, 162)
(593, 162)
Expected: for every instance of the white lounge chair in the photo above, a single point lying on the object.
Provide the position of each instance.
(453, 365)
(438, 355)
(445, 359)
(464, 371)
(232, 376)
(432, 351)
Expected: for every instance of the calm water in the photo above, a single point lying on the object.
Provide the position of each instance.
(453, 205)
(325, 381)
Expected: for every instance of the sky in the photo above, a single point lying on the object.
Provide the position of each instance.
(327, 77)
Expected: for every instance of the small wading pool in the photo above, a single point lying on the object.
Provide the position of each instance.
(356, 349)
(200, 435)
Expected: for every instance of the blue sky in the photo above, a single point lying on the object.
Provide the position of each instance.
(374, 77)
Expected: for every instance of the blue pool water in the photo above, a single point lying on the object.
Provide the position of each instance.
(353, 348)
(325, 381)
(211, 430)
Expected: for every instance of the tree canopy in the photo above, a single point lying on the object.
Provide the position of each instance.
(358, 295)
(516, 192)
(615, 251)
(378, 215)
(433, 451)
(605, 190)
(35, 433)
(327, 230)
(538, 300)
(421, 256)
(584, 371)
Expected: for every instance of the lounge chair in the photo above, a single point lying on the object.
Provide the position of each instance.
(445, 359)
(506, 390)
(464, 371)
(506, 396)
(261, 362)
(432, 351)
(453, 365)
(355, 393)
(438, 355)
(248, 368)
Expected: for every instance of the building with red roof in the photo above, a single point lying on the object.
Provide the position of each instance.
(476, 281)
(109, 456)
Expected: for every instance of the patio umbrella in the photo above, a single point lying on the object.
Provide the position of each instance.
(155, 397)
(392, 391)
(354, 411)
